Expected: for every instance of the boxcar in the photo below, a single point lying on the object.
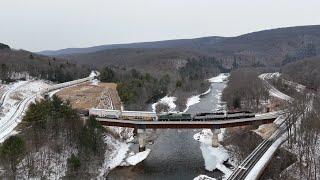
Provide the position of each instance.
(105, 113)
(144, 115)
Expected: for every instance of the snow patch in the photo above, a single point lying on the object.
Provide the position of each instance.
(192, 101)
(168, 101)
(203, 177)
(93, 74)
(139, 157)
(207, 92)
(95, 82)
(213, 157)
(113, 156)
(220, 78)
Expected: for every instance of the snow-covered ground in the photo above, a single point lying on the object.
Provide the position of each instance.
(192, 101)
(196, 99)
(118, 154)
(213, 157)
(114, 156)
(137, 158)
(269, 75)
(220, 78)
(46, 163)
(168, 101)
(16, 99)
(204, 177)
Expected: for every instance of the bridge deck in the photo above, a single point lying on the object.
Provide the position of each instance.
(214, 124)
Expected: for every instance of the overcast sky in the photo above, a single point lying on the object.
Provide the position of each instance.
(54, 24)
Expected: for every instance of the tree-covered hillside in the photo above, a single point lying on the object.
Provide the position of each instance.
(52, 129)
(15, 64)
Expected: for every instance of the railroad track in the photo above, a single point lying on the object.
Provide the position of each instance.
(246, 166)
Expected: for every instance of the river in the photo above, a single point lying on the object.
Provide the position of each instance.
(174, 153)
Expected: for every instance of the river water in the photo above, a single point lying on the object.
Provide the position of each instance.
(174, 153)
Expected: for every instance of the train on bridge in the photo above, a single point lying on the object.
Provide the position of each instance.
(125, 115)
(205, 116)
(147, 115)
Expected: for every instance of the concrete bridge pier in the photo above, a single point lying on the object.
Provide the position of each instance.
(215, 140)
(142, 139)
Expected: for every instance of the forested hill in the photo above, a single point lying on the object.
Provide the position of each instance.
(197, 43)
(17, 63)
(275, 47)
(305, 71)
(4, 46)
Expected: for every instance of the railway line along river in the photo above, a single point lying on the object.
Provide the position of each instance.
(175, 154)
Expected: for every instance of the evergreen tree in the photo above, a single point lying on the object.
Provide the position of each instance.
(11, 153)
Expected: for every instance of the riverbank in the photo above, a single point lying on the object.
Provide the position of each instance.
(174, 153)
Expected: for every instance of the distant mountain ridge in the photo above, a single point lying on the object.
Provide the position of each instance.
(274, 47)
(178, 43)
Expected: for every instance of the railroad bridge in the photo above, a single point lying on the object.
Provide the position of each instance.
(140, 126)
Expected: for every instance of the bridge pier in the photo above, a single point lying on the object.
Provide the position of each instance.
(142, 139)
(215, 140)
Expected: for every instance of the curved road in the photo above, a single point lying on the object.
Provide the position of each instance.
(272, 90)
(7, 124)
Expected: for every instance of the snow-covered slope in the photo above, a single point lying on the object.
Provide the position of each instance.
(16, 100)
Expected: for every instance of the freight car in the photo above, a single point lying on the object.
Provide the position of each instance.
(222, 115)
(127, 115)
(143, 115)
(105, 113)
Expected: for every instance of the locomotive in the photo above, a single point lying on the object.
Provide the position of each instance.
(175, 117)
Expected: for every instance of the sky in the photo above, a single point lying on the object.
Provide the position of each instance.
(37, 25)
